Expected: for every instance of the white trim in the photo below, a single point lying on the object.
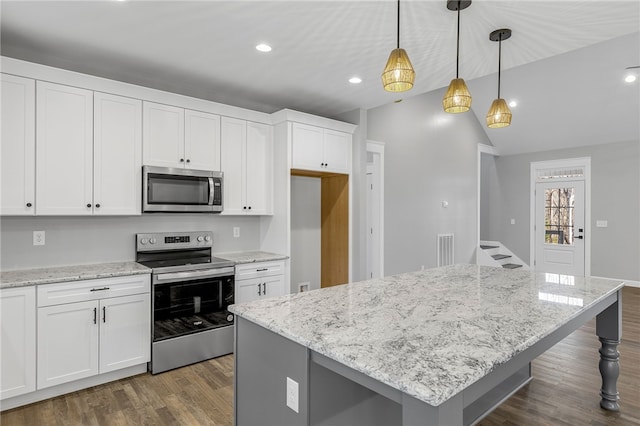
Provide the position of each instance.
(627, 283)
(584, 162)
(488, 149)
(313, 120)
(378, 148)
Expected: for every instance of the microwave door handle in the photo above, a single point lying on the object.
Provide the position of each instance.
(211, 189)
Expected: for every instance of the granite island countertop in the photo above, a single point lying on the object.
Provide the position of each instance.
(30, 277)
(241, 257)
(432, 333)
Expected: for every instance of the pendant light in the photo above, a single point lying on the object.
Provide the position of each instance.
(398, 75)
(457, 98)
(499, 114)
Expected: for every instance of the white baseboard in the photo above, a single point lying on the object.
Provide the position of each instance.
(628, 283)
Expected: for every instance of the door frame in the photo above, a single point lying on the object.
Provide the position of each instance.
(567, 163)
(377, 148)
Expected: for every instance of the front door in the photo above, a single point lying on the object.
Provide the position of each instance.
(560, 226)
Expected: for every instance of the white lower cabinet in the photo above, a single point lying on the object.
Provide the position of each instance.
(259, 280)
(18, 346)
(92, 327)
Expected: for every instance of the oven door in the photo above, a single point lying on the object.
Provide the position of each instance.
(190, 302)
(181, 190)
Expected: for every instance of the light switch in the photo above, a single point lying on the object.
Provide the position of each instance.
(601, 224)
(513, 221)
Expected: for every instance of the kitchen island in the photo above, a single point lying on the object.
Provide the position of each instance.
(437, 347)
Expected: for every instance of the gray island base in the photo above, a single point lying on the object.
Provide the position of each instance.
(438, 347)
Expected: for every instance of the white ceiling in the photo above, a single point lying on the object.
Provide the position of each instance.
(573, 72)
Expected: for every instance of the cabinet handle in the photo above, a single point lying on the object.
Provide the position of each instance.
(182, 160)
(249, 207)
(29, 204)
(99, 289)
(262, 269)
(88, 205)
(104, 314)
(264, 289)
(244, 208)
(259, 290)
(97, 206)
(95, 315)
(188, 161)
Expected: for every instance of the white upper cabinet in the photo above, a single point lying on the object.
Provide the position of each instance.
(175, 137)
(163, 135)
(64, 150)
(18, 145)
(202, 140)
(247, 163)
(318, 149)
(117, 151)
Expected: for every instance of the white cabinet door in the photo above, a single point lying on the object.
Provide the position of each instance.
(117, 152)
(337, 151)
(64, 150)
(273, 286)
(248, 290)
(233, 145)
(18, 145)
(306, 150)
(162, 135)
(125, 332)
(259, 167)
(18, 356)
(201, 140)
(67, 343)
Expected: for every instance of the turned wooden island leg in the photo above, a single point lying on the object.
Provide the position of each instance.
(609, 331)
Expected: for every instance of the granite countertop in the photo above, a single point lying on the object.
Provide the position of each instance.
(431, 333)
(250, 256)
(29, 277)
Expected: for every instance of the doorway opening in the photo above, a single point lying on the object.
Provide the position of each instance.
(375, 210)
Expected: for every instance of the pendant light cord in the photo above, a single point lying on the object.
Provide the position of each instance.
(398, 28)
(458, 43)
(499, 62)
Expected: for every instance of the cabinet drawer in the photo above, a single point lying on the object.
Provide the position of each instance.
(80, 291)
(259, 269)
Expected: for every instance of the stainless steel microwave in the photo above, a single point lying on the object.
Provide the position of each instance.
(166, 189)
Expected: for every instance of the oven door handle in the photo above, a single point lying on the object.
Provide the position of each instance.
(218, 272)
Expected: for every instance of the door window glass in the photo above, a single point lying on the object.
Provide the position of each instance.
(559, 215)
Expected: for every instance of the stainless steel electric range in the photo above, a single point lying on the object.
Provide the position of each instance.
(191, 292)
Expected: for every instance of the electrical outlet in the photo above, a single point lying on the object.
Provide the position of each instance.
(304, 286)
(236, 232)
(38, 238)
(601, 223)
(292, 394)
(513, 221)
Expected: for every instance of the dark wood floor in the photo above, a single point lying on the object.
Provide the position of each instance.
(564, 390)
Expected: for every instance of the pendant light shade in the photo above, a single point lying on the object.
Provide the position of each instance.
(398, 75)
(499, 114)
(457, 98)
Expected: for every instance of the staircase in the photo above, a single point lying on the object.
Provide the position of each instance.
(494, 253)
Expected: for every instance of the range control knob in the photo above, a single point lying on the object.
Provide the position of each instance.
(207, 238)
(200, 238)
(152, 240)
(144, 241)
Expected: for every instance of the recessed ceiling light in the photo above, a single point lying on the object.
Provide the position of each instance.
(355, 80)
(262, 47)
(630, 78)
(513, 104)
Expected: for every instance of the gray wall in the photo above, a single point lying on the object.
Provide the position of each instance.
(430, 157)
(84, 240)
(615, 197)
(305, 231)
(487, 175)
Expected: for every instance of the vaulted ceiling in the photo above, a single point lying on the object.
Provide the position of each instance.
(564, 63)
